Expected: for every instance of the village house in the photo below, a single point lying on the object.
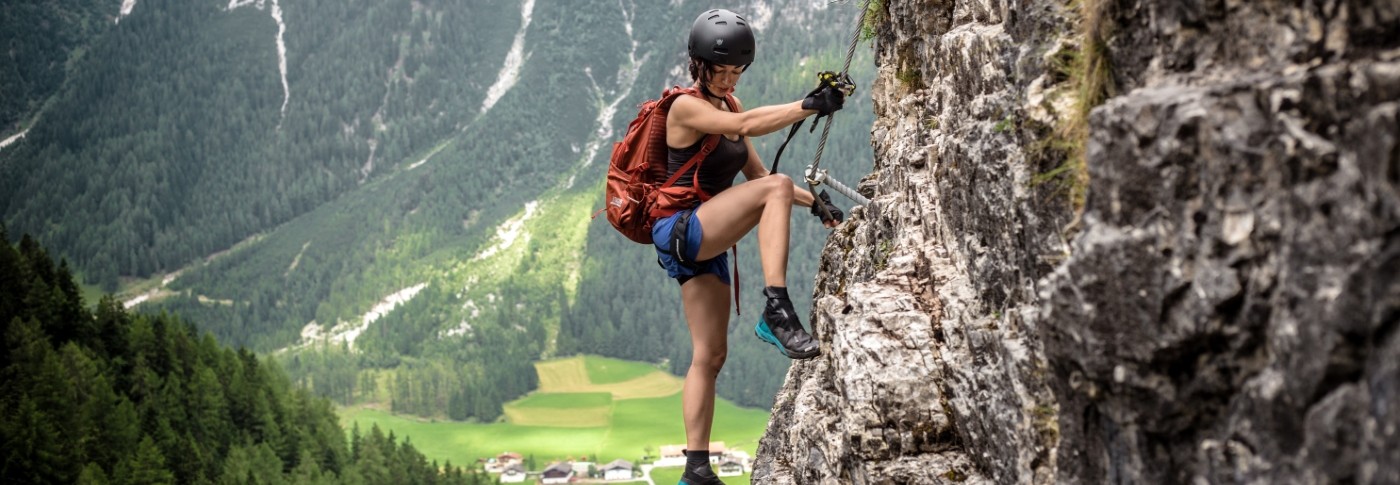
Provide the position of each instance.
(515, 473)
(581, 468)
(618, 469)
(561, 472)
(501, 461)
(729, 467)
(671, 455)
(674, 455)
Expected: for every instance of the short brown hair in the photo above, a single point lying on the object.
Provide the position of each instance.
(701, 70)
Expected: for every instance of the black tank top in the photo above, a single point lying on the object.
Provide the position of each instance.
(717, 170)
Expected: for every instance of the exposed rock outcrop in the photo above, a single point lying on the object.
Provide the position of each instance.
(1222, 309)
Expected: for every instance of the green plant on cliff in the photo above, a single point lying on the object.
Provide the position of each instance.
(1091, 75)
(1095, 76)
(1005, 124)
(910, 77)
(875, 14)
(1089, 72)
(882, 256)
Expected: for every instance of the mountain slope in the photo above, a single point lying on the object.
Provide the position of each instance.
(171, 140)
(93, 396)
(43, 40)
(398, 201)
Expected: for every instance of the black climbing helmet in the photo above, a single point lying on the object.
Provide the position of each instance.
(722, 37)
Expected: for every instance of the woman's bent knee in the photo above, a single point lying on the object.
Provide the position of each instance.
(709, 362)
(780, 185)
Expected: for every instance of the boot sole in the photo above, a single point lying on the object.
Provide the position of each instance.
(761, 331)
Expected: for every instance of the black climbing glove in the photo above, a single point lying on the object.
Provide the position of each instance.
(826, 201)
(825, 99)
(830, 94)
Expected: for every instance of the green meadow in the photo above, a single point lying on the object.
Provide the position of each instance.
(564, 400)
(595, 407)
(604, 370)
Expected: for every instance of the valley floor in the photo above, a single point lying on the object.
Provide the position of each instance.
(588, 409)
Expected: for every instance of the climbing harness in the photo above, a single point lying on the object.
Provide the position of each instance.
(842, 81)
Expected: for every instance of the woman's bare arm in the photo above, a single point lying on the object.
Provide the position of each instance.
(694, 114)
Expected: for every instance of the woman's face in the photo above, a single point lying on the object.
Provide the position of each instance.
(723, 79)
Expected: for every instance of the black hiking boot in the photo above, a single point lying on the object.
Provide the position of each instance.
(700, 476)
(779, 326)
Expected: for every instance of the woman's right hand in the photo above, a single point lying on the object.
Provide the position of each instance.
(825, 100)
(831, 92)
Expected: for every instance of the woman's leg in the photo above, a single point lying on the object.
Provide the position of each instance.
(706, 300)
(765, 202)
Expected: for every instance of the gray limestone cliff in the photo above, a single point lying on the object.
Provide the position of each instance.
(1219, 306)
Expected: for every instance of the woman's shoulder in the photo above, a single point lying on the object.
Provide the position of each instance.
(687, 101)
(690, 103)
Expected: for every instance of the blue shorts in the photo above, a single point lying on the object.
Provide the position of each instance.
(661, 232)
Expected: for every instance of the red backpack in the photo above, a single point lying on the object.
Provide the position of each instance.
(637, 191)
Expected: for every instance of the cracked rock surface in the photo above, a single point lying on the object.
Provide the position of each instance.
(1221, 309)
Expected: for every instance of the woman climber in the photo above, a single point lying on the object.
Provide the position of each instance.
(691, 243)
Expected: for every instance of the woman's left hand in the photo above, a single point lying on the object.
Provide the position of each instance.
(825, 200)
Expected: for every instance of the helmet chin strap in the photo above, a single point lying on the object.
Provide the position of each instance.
(705, 88)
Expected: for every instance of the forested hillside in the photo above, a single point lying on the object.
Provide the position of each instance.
(181, 133)
(43, 39)
(107, 396)
(413, 201)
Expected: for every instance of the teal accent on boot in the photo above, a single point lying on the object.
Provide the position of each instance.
(765, 334)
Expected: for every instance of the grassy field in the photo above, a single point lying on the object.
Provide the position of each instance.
(565, 400)
(574, 374)
(560, 417)
(634, 407)
(564, 409)
(603, 370)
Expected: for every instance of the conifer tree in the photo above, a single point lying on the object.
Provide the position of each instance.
(145, 466)
(92, 474)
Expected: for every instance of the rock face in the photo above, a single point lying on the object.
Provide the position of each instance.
(1223, 307)
(932, 369)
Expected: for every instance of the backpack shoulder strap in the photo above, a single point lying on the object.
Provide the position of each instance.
(711, 141)
(670, 94)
